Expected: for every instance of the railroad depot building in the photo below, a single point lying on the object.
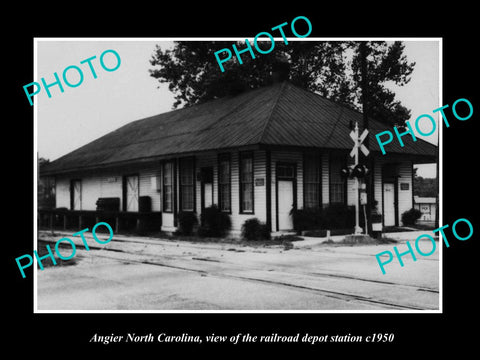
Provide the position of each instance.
(257, 154)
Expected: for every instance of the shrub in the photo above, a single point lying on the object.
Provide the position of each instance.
(306, 219)
(411, 216)
(214, 222)
(376, 218)
(187, 220)
(339, 216)
(335, 216)
(253, 229)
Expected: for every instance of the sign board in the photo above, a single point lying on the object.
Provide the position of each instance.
(260, 182)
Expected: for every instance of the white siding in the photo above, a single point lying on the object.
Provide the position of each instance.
(90, 192)
(325, 179)
(111, 186)
(351, 192)
(235, 196)
(107, 184)
(377, 183)
(405, 201)
(145, 185)
(259, 191)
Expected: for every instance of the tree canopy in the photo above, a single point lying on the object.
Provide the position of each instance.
(329, 68)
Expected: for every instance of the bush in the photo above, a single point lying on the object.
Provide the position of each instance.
(335, 216)
(214, 222)
(306, 219)
(411, 216)
(253, 229)
(340, 216)
(187, 220)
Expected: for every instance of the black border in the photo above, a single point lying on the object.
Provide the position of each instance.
(415, 333)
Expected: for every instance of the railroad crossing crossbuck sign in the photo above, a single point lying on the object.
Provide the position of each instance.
(358, 143)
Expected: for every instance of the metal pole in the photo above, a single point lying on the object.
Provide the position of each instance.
(358, 230)
(363, 49)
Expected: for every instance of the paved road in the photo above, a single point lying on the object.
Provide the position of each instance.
(152, 274)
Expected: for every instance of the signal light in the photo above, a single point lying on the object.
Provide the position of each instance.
(360, 171)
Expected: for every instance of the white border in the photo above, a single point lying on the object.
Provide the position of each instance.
(439, 144)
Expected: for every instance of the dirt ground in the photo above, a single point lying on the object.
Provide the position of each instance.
(146, 274)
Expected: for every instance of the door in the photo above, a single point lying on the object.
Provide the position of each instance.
(389, 204)
(207, 187)
(131, 193)
(76, 194)
(285, 204)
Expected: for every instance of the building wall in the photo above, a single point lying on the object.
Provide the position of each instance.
(405, 198)
(259, 207)
(325, 173)
(377, 182)
(404, 171)
(210, 159)
(428, 211)
(147, 182)
(108, 184)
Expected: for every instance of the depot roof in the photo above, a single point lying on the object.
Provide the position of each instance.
(280, 114)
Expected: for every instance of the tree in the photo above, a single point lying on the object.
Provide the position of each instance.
(194, 77)
(425, 187)
(330, 68)
(384, 63)
(45, 187)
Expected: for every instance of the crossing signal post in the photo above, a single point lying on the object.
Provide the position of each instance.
(358, 171)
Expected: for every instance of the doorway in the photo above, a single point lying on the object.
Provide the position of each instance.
(131, 193)
(206, 186)
(286, 195)
(285, 204)
(389, 204)
(76, 195)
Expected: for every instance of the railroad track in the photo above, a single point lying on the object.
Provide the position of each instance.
(270, 275)
(282, 283)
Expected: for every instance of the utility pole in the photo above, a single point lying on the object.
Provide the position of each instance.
(365, 110)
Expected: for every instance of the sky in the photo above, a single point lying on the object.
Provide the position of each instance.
(98, 106)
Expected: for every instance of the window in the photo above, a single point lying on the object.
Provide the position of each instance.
(168, 187)
(337, 183)
(246, 183)
(285, 171)
(224, 183)
(311, 181)
(187, 192)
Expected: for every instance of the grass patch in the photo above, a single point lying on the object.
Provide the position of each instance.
(287, 237)
(373, 241)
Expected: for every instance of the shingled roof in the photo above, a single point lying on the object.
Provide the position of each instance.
(280, 114)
